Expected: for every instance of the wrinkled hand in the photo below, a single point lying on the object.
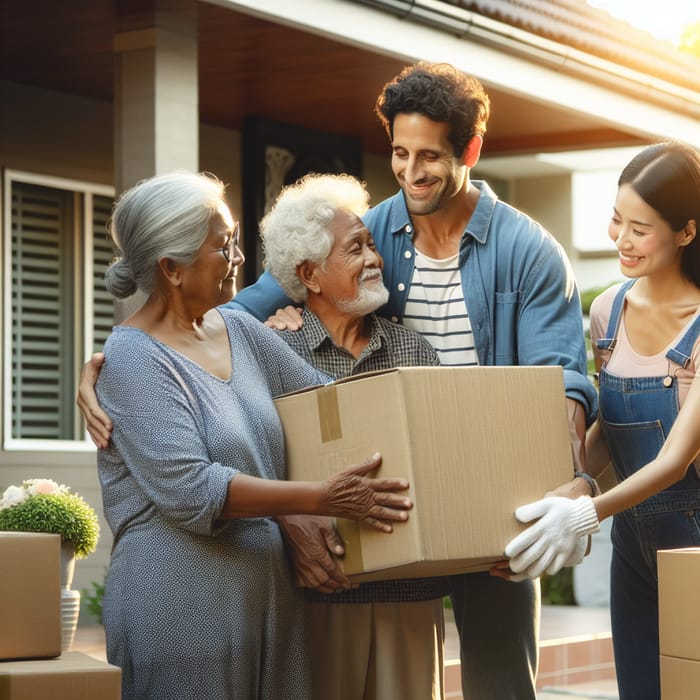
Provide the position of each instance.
(97, 421)
(555, 539)
(352, 494)
(313, 545)
(286, 319)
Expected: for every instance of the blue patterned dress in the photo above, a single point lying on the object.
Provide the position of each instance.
(197, 608)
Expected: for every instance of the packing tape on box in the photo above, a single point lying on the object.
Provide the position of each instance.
(328, 413)
(349, 531)
(329, 424)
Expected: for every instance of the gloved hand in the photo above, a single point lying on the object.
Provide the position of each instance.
(577, 555)
(556, 539)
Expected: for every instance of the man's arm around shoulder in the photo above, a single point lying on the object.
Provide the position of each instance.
(261, 299)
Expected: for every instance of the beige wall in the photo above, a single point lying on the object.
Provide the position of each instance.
(220, 154)
(547, 200)
(376, 172)
(50, 133)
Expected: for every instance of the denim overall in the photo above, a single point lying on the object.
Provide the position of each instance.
(636, 415)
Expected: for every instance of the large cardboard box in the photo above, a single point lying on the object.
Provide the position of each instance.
(679, 605)
(73, 676)
(30, 595)
(680, 678)
(474, 443)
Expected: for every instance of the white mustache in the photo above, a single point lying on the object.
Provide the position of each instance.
(370, 275)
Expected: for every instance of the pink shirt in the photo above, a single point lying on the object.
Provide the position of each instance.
(624, 361)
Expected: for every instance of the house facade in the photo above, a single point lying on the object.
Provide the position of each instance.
(96, 94)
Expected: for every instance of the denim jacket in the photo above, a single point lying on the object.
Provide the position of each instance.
(518, 285)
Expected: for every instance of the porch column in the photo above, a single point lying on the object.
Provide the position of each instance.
(156, 102)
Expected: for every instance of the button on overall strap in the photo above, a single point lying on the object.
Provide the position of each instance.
(681, 352)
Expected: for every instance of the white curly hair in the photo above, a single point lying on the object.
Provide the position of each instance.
(298, 227)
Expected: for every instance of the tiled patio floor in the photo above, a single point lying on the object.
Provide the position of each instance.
(575, 654)
(576, 661)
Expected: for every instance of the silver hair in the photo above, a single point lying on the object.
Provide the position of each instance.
(298, 227)
(166, 216)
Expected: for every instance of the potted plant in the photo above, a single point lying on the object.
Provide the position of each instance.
(41, 505)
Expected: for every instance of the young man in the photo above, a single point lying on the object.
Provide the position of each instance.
(484, 284)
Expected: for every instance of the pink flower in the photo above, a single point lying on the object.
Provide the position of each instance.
(42, 486)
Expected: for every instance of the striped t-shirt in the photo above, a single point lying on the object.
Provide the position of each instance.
(437, 310)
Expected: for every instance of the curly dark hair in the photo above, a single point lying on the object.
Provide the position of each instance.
(666, 175)
(441, 93)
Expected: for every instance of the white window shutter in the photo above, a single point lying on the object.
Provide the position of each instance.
(42, 303)
(103, 302)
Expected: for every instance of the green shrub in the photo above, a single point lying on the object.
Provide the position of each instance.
(92, 599)
(60, 512)
(588, 295)
(558, 589)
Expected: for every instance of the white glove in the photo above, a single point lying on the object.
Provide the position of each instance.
(576, 558)
(556, 539)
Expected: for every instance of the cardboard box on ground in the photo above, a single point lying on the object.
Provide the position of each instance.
(73, 676)
(679, 622)
(30, 628)
(474, 443)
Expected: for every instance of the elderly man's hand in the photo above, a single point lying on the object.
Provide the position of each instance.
(353, 494)
(286, 319)
(313, 546)
(97, 421)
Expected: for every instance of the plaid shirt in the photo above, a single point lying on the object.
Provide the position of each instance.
(390, 345)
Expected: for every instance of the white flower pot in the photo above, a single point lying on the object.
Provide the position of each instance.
(70, 600)
(70, 611)
(67, 564)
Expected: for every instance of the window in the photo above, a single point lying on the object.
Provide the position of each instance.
(56, 310)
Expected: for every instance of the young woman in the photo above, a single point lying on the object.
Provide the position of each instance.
(646, 340)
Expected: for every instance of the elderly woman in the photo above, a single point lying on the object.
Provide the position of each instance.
(199, 600)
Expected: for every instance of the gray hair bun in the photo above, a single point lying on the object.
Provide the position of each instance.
(119, 281)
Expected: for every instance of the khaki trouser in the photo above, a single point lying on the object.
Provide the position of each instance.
(376, 651)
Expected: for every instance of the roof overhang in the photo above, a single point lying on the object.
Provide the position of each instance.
(501, 56)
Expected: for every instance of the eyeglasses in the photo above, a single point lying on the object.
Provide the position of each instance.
(229, 249)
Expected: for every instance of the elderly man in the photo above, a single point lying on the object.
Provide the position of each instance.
(380, 640)
(384, 639)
